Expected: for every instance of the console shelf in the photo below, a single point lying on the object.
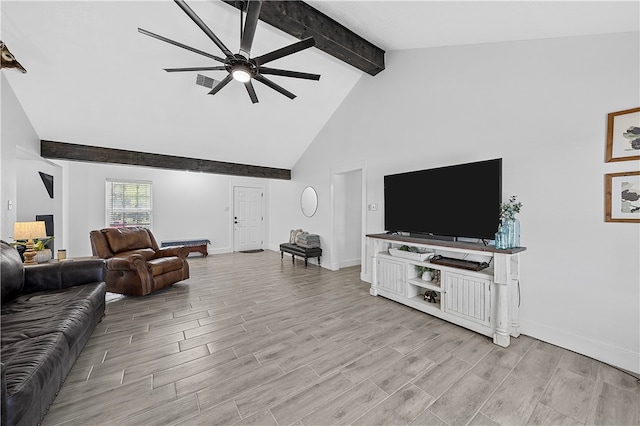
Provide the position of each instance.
(418, 282)
(485, 301)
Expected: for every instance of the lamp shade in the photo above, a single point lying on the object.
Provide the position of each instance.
(29, 230)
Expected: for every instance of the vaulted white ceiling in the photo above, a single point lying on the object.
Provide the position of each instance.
(93, 79)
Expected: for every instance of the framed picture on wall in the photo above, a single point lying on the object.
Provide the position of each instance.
(622, 197)
(623, 135)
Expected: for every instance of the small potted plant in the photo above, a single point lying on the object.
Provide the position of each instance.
(43, 254)
(426, 273)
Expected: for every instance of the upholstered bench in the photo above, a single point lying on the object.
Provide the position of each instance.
(194, 246)
(296, 250)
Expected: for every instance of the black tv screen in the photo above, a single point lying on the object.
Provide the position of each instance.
(462, 200)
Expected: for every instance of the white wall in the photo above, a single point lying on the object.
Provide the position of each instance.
(32, 196)
(541, 106)
(285, 212)
(185, 204)
(16, 131)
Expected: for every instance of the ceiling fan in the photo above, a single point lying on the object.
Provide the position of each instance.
(241, 66)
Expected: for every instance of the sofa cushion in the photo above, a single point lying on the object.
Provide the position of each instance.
(124, 239)
(165, 264)
(32, 375)
(12, 278)
(65, 311)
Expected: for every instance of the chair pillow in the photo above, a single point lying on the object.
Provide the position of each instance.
(293, 235)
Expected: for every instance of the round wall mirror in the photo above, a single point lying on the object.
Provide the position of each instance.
(309, 201)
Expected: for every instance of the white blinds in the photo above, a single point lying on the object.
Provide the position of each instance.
(128, 203)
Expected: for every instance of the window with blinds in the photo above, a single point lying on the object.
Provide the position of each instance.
(128, 203)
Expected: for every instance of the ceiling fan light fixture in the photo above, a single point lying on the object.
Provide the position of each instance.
(241, 73)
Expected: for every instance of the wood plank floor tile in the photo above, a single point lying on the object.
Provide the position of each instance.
(218, 392)
(170, 374)
(427, 418)
(307, 400)
(221, 324)
(284, 348)
(497, 364)
(367, 365)
(213, 336)
(396, 375)
(122, 362)
(569, 393)
(401, 408)
(97, 405)
(225, 413)
(261, 418)
(441, 346)
(618, 378)
(538, 365)
(165, 414)
(440, 376)
(386, 336)
(264, 342)
(272, 392)
(142, 369)
(460, 403)
(305, 354)
(616, 406)
(514, 400)
(222, 372)
(482, 420)
(339, 358)
(347, 407)
(545, 415)
(474, 348)
(413, 340)
(206, 349)
(579, 364)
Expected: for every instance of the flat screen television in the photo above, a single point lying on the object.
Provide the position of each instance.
(461, 200)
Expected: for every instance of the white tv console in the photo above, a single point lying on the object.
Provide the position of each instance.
(484, 301)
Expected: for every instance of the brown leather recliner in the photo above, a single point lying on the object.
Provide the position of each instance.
(135, 264)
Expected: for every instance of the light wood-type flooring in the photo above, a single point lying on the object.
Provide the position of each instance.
(249, 339)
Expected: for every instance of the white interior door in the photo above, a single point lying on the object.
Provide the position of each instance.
(247, 218)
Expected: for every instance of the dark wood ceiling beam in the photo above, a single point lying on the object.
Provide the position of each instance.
(301, 20)
(95, 154)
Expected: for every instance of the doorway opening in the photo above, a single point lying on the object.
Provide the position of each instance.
(348, 216)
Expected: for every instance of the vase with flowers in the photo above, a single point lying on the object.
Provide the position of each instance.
(508, 235)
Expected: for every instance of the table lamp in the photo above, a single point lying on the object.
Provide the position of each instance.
(27, 231)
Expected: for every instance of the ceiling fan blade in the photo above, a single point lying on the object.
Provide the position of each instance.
(285, 51)
(220, 85)
(220, 68)
(250, 24)
(262, 79)
(195, 18)
(286, 73)
(251, 92)
(184, 46)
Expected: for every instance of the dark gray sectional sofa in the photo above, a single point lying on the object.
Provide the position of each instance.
(48, 313)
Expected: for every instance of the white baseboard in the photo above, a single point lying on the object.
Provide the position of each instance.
(220, 250)
(618, 357)
(211, 251)
(350, 262)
